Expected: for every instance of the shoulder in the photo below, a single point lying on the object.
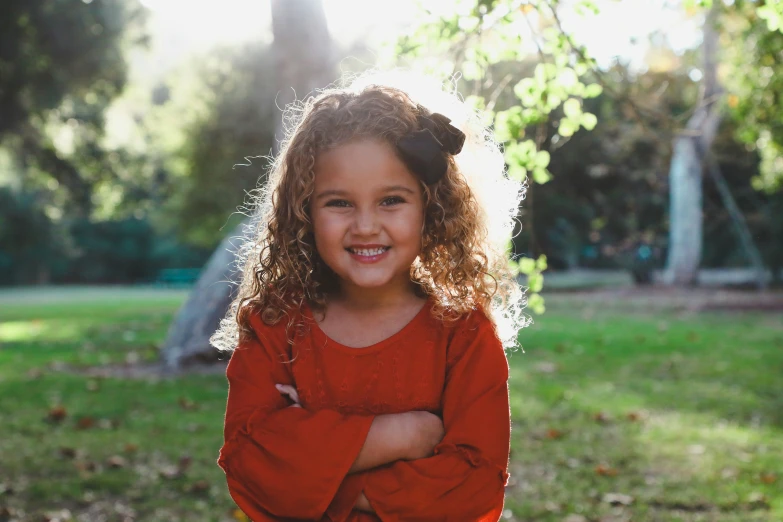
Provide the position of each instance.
(474, 335)
(276, 335)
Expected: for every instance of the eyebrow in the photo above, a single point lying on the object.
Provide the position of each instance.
(336, 192)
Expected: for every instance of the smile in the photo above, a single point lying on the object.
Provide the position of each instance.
(368, 255)
(368, 251)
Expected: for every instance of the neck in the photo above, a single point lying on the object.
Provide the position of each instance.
(389, 296)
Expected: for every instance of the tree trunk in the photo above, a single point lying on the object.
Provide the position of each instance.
(685, 172)
(304, 62)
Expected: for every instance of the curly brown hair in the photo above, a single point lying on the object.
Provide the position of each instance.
(458, 267)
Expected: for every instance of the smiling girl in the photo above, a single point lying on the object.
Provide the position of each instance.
(368, 379)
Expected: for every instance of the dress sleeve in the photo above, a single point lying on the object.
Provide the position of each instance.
(281, 462)
(465, 478)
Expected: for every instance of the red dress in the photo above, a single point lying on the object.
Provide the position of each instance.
(286, 463)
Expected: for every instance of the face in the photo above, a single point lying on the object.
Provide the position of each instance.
(368, 211)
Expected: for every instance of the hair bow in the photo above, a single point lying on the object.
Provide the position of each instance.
(423, 150)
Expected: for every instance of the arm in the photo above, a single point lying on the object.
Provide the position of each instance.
(281, 462)
(398, 436)
(465, 478)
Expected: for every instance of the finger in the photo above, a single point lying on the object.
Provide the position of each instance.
(288, 391)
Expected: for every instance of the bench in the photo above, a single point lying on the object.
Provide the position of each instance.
(177, 277)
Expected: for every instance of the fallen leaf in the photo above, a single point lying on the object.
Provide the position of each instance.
(115, 462)
(617, 499)
(85, 423)
(184, 462)
(86, 468)
(186, 404)
(634, 416)
(605, 471)
(68, 453)
(199, 487)
(768, 478)
(601, 417)
(239, 515)
(554, 434)
(131, 448)
(57, 414)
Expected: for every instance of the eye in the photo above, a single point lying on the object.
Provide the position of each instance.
(392, 200)
(341, 203)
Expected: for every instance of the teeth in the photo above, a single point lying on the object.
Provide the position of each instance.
(369, 252)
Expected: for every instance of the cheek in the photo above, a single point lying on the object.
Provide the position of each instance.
(327, 229)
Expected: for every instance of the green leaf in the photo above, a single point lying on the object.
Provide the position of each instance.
(572, 109)
(541, 263)
(536, 303)
(588, 121)
(527, 266)
(541, 175)
(472, 71)
(568, 78)
(542, 159)
(535, 282)
(566, 128)
(517, 172)
(593, 90)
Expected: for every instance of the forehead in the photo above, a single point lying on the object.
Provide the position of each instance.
(363, 164)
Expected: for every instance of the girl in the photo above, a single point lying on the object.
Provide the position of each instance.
(369, 380)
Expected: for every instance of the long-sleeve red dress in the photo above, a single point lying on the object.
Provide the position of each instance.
(286, 463)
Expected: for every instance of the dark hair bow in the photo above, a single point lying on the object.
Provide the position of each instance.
(423, 150)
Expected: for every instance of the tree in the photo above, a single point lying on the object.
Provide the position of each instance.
(304, 60)
(60, 65)
(687, 165)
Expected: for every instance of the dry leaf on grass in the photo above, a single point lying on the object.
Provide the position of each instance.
(115, 462)
(85, 423)
(554, 434)
(57, 414)
(605, 471)
(239, 515)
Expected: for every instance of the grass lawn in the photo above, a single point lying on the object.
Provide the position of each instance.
(620, 413)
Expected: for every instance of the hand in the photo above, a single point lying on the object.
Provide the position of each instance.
(290, 392)
(426, 431)
(362, 504)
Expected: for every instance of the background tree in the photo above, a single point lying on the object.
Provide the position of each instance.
(60, 65)
(304, 60)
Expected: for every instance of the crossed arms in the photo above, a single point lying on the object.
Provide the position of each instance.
(285, 462)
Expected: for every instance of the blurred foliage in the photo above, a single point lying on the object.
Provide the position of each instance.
(216, 155)
(61, 63)
(155, 165)
(597, 199)
(26, 235)
(34, 249)
(752, 42)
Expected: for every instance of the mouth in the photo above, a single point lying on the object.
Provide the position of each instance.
(367, 251)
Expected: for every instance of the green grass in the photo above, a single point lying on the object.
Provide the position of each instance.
(683, 414)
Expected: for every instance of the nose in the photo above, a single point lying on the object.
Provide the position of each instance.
(365, 222)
